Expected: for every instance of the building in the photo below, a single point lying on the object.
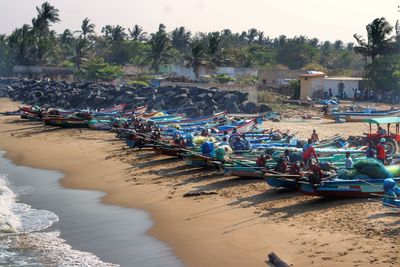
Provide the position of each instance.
(312, 85)
(315, 84)
(343, 87)
(277, 78)
(39, 72)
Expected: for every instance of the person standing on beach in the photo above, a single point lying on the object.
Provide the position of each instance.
(314, 136)
(309, 153)
(380, 151)
(369, 152)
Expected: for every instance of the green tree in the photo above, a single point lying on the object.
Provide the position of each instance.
(87, 28)
(180, 39)
(378, 40)
(137, 33)
(21, 42)
(159, 49)
(197, 58)
(97, 69)
(383, 75)
(5, 64)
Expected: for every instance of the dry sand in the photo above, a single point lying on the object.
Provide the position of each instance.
(237, 227)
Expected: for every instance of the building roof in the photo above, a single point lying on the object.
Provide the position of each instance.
(344, 78)
(313, 75)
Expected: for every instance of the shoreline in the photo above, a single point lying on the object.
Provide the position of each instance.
(90, 227)
(238, 227)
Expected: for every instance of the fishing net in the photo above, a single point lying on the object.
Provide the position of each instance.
(372, 168)
(394, 170)
(199, 140)
(351, 174)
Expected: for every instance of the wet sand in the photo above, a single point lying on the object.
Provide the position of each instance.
(237, 227)
(117, 234)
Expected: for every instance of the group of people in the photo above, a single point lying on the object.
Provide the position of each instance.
(378, 151)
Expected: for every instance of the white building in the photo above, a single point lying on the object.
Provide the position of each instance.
(315, 84)
(343, 86)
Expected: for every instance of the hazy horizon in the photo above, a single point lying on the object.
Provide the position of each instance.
(327, 20)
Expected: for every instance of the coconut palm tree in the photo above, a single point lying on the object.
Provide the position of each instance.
(180, 39)
(213, 47)
(46, 14)
(197, 58)
(251, 35)
(20, 42)
(87, 28)
(114, 33)
(159, 51)
(137, 33)
(378, 32)
(81, 52)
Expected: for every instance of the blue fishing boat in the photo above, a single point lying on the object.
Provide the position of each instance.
(339, 188)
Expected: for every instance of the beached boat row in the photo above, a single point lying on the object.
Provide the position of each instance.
(236, 146)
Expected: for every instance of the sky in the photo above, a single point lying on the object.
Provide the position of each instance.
(325, 19)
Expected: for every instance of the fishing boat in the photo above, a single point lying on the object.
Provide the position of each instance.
(354, 116)
(339, 188)
(242, 127)
(169, 150)
(77, 120)
(216, 116)
(282, 182)
(198, 160)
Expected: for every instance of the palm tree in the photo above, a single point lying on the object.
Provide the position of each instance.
(114, 33)
(197, 58)
(66, 38)
(338, 44)
(180, 38)
(378, 40)
(213, 46)
(251, 35)
(119, 34)
(46, 14)
(159, 49)
(260, 37)
(87, 28)
(81, 51)
(20, 42)
(137, 33)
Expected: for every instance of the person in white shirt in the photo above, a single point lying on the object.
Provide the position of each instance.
(349, 161)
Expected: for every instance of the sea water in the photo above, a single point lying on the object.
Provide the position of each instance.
(43, 224)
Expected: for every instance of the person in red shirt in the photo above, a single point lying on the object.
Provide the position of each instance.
(261, 161)
(380, 151)
(308, 153)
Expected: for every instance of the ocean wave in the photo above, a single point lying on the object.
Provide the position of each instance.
(23, 244)
(18, 217)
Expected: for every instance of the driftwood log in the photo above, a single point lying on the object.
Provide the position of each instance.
(199, 193)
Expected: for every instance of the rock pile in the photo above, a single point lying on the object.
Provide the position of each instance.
(194, 100)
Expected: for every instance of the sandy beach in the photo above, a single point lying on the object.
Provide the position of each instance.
(237, 227)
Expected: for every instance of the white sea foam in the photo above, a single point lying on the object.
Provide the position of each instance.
(23, 244)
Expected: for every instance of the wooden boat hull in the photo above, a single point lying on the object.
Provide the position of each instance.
(360, 116)
(172, 152)
(194, 120)
(100, 124)
(198, 161)
(282, 182)
(344, 188)
(66, 123)
(245, 172)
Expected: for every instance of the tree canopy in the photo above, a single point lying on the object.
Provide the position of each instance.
(37, 43)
